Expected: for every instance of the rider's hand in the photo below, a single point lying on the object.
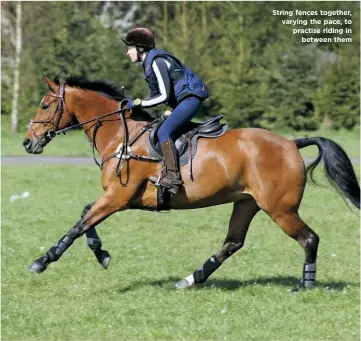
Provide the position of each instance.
(131, 104)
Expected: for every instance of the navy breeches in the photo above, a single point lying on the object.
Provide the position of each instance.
(182, 114)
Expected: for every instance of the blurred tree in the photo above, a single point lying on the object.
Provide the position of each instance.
(292, 89)
(70, 40)
(14, 109)
(338, 98)
(258, 72)
(8, 35)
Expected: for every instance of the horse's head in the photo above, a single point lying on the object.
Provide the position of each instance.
(51, 116)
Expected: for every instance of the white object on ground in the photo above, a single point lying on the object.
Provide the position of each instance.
(15, 197)
(25, 194)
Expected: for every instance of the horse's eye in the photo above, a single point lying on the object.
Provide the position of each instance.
(44, 106)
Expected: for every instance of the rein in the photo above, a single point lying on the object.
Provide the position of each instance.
(63, 131)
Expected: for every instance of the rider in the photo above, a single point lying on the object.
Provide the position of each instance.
(169, 82)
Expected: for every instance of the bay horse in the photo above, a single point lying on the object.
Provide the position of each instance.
(253, 168)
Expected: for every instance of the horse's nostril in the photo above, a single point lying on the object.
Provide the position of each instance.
(26, 142)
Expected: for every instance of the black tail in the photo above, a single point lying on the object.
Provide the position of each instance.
(338, 166)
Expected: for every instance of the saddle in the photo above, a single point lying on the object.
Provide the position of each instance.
(186, 143)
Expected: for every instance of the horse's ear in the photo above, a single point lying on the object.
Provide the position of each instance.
(51, 84)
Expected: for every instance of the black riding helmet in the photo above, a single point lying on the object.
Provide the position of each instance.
(140, 37)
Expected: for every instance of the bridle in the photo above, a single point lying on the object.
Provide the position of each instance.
(55, 120)
(124, 154)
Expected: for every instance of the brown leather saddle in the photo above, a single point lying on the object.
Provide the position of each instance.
(186, 141)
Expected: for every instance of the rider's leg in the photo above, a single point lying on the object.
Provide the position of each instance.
(181, 115)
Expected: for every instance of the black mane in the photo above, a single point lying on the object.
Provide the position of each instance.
(105, 88)
(102, 86)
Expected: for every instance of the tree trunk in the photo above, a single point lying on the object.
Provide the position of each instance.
(14, 113)
(185, 26)
(204, 17)
(165, 23)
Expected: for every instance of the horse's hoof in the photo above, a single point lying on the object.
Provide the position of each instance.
(38, 266)
(106, 262)
(183, 284)
(104, 259)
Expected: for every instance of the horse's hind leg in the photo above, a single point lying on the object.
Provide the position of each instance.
(243, 213)
(94, 242)
(295, 227)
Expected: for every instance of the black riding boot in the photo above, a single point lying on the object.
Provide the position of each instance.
(171, 178)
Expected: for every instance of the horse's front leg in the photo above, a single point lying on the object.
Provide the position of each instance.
(94, 241)
(103, 208)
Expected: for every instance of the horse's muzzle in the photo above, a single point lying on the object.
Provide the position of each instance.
(33, 148)
(27, 143)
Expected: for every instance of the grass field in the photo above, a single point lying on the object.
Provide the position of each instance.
(76, 144)
(246, 299)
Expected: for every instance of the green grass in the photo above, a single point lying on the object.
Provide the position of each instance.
(246, 299)
(76, 144)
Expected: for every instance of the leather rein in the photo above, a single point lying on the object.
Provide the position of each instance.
(124, 153)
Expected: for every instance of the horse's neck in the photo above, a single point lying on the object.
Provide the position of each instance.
(111, 131)
(89, 106)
